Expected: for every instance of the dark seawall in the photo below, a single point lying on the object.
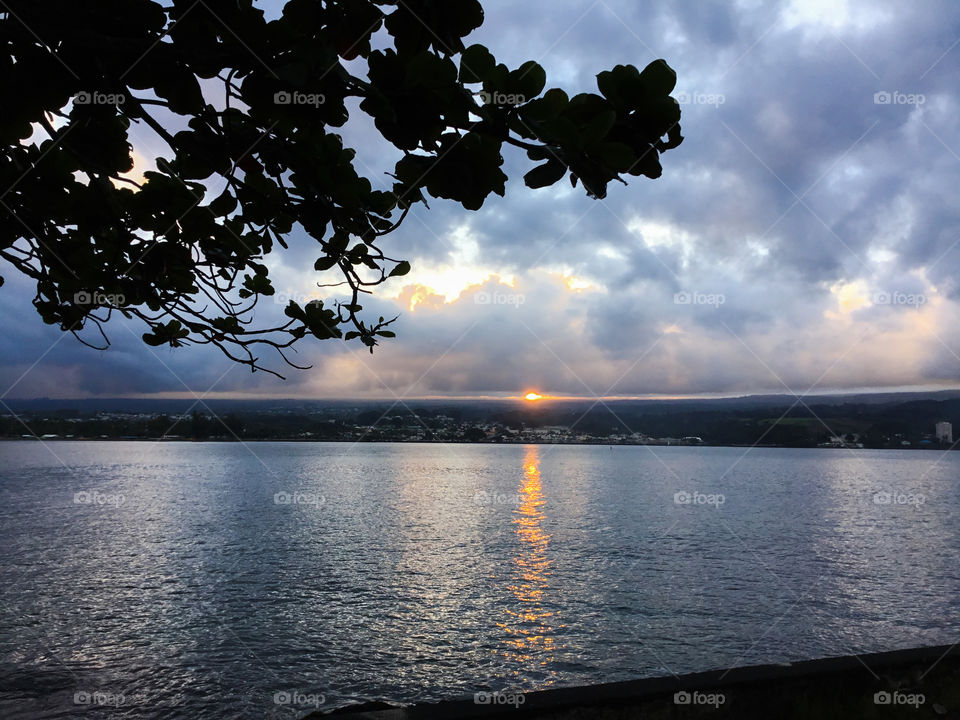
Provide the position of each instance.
(915, 683)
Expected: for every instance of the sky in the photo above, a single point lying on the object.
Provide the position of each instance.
(804, 239)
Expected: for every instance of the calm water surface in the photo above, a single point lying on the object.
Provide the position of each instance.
(183, 580)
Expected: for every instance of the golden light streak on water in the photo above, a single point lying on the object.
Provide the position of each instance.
(530, 626)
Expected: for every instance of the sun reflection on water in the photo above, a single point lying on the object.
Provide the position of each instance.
(530, 625)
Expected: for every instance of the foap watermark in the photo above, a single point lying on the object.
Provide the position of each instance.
(298, 498)
(98, 698)
(282, 298)
(899, 698)
(700, 98)
(99, 98)
(497, 298)
(898, 497)
(482, 497)
(696, 697)
(915, 300)
(884, 97)
(500, 98)
(686, 297)
(698, 498)
(93, 497)
(100, 299)
(499, 697)
(298, 98)
(295, 698)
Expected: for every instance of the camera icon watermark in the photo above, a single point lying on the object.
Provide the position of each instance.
(700, 98)
(497, 298)
(283, 97)
(687, 297)
(696, 697)
(298, 498)
(98, 98)
(914, 300)
(295, 698)
(899, 698)
(883, 97)
(85, 297)
(898, 497)
(93, 497)
(499, 697)
(698, 498)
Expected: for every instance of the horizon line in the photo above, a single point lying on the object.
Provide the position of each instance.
(546, 396)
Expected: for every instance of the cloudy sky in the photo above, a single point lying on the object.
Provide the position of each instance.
(805, 236)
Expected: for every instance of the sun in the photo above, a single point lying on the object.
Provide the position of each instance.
(533, 397)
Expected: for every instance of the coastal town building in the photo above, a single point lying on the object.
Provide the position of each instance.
(944, 431)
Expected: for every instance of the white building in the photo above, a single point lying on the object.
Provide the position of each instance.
(945, 432)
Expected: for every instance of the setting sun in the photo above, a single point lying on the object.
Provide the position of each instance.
(532, 396)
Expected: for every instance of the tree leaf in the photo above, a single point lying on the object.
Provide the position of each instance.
(659, 79)
(401, 268)
(476, 64)
(547, 174)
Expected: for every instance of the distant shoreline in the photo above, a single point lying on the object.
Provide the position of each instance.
(898, 422)
(461, 442)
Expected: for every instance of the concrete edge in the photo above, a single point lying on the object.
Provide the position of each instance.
(646, 689)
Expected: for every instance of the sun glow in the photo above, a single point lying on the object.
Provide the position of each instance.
(533, 397)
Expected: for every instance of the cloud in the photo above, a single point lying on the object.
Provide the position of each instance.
(817, 178)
